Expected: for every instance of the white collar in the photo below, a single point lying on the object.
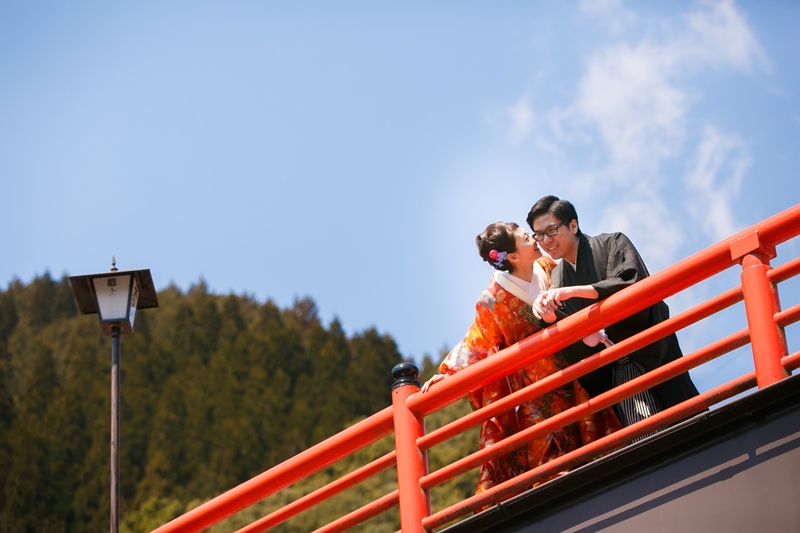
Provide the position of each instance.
(538, 281)
(504, 280)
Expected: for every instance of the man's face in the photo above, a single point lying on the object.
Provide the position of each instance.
(562, 245)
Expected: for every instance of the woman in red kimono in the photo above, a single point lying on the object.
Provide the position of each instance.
(504, 317)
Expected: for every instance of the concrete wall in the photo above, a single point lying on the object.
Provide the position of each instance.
(747, 483)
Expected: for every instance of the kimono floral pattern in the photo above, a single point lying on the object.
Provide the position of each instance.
(501, 320)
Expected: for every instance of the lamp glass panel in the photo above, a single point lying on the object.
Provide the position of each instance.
(112, 296)
(134, 300)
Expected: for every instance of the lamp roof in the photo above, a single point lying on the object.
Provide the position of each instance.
(82, 287)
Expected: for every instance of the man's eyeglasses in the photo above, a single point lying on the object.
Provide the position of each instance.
(552, 231)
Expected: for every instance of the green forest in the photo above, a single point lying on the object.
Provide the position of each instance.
(215, 389)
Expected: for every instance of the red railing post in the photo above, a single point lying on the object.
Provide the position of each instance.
(412, 463)
(761, 303)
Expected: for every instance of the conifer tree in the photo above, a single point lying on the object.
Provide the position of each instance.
(31, 489)
(214, 391)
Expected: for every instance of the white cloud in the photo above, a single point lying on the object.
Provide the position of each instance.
(520, 116)
(627, 94)
(634, 111)
(636, 97)
(714, 182)
(517, 121)
(600, 7)
(649, 223)
(610, 13)
(718, 35)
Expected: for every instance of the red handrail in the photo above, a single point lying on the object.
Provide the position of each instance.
(408, 429)
(309, 500)
(752, 248)
(638, 296)
(556, 380)
(574, 414)
(597, 448)
(281, 476)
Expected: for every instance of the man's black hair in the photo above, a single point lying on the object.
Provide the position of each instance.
(563, 210)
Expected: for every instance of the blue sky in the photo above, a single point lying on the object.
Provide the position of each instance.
(351, 151)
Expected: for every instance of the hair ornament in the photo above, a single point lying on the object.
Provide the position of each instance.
(499, 257)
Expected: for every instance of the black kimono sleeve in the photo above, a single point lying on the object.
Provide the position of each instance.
(621, 264)
(609, 263)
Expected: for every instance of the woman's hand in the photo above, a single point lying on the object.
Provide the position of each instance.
(435, 379)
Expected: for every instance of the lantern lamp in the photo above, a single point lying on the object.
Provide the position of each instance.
(115, 296)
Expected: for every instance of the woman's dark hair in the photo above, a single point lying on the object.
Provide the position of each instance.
(500, 237)
(563, 210)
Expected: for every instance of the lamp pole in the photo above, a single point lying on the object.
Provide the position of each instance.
(115, 334)
(115, 297)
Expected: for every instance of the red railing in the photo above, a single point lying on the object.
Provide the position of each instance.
(752, 248)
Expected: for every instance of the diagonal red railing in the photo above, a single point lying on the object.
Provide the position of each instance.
(752, 248)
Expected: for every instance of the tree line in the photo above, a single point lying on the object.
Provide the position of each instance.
(215, 389)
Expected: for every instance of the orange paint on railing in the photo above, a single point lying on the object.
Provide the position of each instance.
(675, 323)
(363, 514)
(597, 448)
(752, 248)
(640, 295)
(291, 471)
(598, 403)
(412, 463)
(761, 305)
(331, 489)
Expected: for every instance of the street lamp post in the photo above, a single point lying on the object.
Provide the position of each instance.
(115, 296)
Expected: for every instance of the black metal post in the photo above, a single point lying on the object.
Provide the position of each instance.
(115, 333)
(405, 374)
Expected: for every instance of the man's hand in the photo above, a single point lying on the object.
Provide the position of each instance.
(546, 303)
(551, 299)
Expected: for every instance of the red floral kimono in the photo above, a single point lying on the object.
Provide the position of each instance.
(504, 317)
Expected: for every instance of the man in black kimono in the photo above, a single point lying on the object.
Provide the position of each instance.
(593, 268)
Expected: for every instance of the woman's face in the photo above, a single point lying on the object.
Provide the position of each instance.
(526, 246)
